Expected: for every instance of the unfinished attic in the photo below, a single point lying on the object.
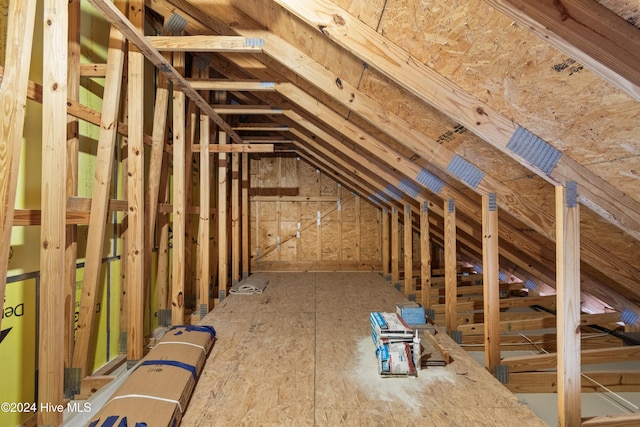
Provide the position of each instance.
(205, 202)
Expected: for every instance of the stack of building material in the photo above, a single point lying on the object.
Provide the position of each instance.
(156, 393)
(411, 312)
(397, 349)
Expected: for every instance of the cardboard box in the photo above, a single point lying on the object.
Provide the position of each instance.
(158, 390)
(193, 334)
(137, 411)
(412, 313)
(155, 393)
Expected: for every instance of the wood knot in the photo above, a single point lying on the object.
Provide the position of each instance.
(338, 20)
(339, 83)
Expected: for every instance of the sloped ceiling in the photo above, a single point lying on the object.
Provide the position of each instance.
(422, 101)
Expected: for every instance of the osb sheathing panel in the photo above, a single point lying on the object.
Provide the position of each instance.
(349, 233)
(370, 238)
(441, 129)
(330, 229)
(288, 172)
(627, 10)
(368, 12)
(309, 179)
(301, 354)
(288, 247)
(339, 222)
(304, 38)
(328, 186)
(521, 76)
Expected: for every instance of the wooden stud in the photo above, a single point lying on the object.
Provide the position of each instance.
(568, 302)
(235, 218)
(53, 202)
(179, 200)
(491, 281)
(223, 240)
(124, 236)
(162, 275)
(318, 221)
(135, 192)
(340, 223)
(100, 202)
(359, 223)
(425, 257)
(408, 252)
(73, 147)
(190, 133)
(13, 98)
(450, 265)
(395, 247)
(385, 245)
(246, 258)
(204, 225)
(156, 156)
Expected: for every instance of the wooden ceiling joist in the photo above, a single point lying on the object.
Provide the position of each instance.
(247, 109)
(235, 148)
(267, 140)
(261, 127)
(232, 85)
(537, 362)
(228, 44)
(592, 382)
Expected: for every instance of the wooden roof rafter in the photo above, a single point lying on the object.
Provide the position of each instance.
(118, 20)
(396, 64)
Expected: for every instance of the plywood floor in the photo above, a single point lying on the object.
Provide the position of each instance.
(300, 354)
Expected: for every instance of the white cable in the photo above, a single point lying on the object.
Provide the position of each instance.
(183, 343)
(602, 395)
(146, 396)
